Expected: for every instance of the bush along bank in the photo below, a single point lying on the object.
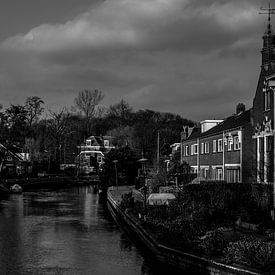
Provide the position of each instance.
(205, 220)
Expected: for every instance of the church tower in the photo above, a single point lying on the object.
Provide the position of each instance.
(268, 50)
(262, 98)
(262, 113)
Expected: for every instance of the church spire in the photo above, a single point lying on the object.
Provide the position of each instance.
(268, 53)
(268, 11)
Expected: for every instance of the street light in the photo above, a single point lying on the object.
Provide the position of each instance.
(142, 161)
(115, 162)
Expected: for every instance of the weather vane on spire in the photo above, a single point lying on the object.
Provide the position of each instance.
(268, 11)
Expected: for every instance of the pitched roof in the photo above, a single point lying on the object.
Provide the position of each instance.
(11, 151)
(231, 122)
(95, 140)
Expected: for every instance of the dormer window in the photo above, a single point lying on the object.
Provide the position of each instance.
(106, 143)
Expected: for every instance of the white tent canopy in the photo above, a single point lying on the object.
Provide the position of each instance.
(160, 198)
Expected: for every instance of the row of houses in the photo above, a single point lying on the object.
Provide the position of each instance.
(239, 148)
(14, 163)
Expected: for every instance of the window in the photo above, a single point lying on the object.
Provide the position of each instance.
(214, 146)
(202, 148)
(186, 150)
(88, 142)
(106, 143)
(233, 175)
(195, 149)
(237, 144)
(219, 174)
(205, 173)
(194, 170)
(220, 145)
(206, 149)
(267, 100)
(230, 142)
(99, 159)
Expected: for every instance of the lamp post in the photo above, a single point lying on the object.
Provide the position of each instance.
(115, 162)
(142, 161)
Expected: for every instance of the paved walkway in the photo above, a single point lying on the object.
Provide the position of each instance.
(118, 191)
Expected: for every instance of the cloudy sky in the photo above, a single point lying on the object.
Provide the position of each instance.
(198, 58)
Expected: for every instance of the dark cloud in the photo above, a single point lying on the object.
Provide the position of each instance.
(197, 58)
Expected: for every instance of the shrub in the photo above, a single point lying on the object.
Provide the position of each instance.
(212, 243)
(250, 252)
(127, 201)
(177, 233)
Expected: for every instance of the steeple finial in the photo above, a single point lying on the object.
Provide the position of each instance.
(268, 11)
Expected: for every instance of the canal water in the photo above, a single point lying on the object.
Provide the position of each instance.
(66, 232)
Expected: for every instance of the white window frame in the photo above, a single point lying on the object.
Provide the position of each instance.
(237, 144)
(106, 143)
(186, 150)
(195, 149)
(220, 145)
(99, 159)
(219, 173)
(214, 146)
(202, 148)
(229, 143)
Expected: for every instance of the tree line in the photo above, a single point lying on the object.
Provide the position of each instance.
(53, 138)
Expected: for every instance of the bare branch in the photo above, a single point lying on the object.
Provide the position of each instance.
(87, 100)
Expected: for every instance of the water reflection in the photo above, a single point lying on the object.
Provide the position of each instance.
(65, 232)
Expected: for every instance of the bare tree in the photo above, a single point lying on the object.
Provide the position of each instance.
(100, 111)
(33, 106)
(58, 129)
(87, 102)
(121, 110)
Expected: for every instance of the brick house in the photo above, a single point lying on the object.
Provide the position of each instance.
(220, 150)
(14, 163)
(91, 153)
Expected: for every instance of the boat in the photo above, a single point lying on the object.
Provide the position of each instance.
(16, 188)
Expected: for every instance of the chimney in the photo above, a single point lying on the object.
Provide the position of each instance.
(240, 108)
(183, 134)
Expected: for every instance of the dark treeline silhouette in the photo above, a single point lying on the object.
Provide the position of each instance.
(53, 139)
